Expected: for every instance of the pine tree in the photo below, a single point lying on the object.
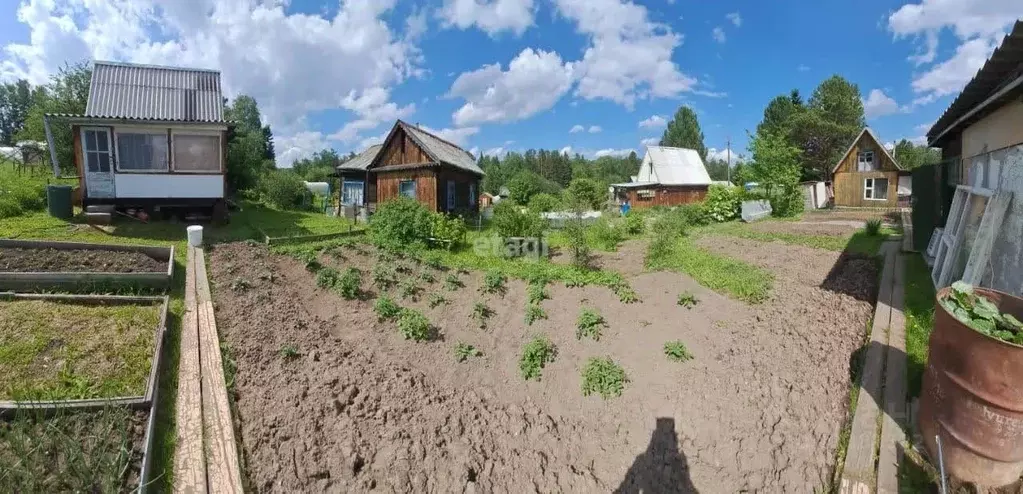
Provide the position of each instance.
(684, 132)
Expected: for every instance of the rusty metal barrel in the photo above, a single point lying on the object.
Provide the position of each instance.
(973, 397)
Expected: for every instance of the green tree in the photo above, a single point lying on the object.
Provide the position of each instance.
(525, 184)
(67, 92)
(838, 100)
(779, 113)
(586, 194)
(774, 162)
(683, 131)
(15, 101)
(910, 156)
(249, 145)
(317, 168)
(717, 169)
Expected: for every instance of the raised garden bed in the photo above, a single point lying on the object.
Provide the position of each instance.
(32, 265)
(78, 387)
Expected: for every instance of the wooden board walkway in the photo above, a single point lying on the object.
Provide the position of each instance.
(871, 463)
(206, 459)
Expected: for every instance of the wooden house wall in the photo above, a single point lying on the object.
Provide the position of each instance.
(462, 181)
(667, 195)
(401, 151)
(426, 185)
(848, 183)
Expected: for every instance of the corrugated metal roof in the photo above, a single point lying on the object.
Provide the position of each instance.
(673, 166)
(442, 151)
(130, 91)
(1005, 64)
(363, 160)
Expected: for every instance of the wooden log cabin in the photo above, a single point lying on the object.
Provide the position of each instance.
(414, 163)
(867, 175)
(667, 177)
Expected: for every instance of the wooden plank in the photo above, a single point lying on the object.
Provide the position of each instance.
(189, 464)
(990, 225)
(222, 468)
(895, 406)
(907, 233)
(859, 471)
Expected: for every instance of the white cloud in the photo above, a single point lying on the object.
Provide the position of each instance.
(879, 104)
(576, 129)
(735, 18)
(654, 122)
(919, 140)
(491, 16)
(723, 155)
(566, 150)
(718, 34)
(629, 57)
(803, 68)
(950, 76)
(534, 82)
(498, 152)
(618, 153)
(650, 141)
(372, 140)
(460, 135)
(923, 128)
(260, 49)
(594, 129)
(373, 109)
(297, 146)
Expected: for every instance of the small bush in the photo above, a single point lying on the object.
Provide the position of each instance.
(687, 300)
(575, 230)
(463, 351)
(350, 284)
(494, 282)
(543, 203)
(437, 299)
(589, 325)
(401, 223)
(452, 283)
(676, 351)
(511, 221)
(535, 356)
(386, 308)
(873, 227)
(413, 325)
(409, 289)
(536, 293)
(327, 278)
(723, 203)
(384, 276)
(607, 235)
(427, 277)
(449, 230)
(481, 313)
(634, 223)
(586, 193)
(283, 189)
(288, 352)
(676, 222)
(533, 313)
(433, 260)
(787, 202)
(604, 376)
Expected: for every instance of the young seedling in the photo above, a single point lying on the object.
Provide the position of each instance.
(288, 352)
(534, 312)
(452, 283)
(437, 299)
(535, 356)
(409, 289)
(427, 277)
(386, 308)
(589, 324)
(604, 376)
(493, 282)
(463, 351)
(481, 313)
(687, 300)
(413, 325)
(676, 351)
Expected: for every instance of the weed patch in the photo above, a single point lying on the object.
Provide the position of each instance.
(408, 289)
(535, 356)
(687, 300)
(533, 313)
(722, 274)
(603, 376)
(452, 283)
(589, 324)
(481, 314)
(919, 310)
(676, 351)
(413, 325)
(436, 300)
(463, 351)
(494, 282)
(385, 308)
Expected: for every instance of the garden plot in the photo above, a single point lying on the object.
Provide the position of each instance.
(38, 265)
(717, 395)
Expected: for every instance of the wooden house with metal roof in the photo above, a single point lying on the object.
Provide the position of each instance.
(867, 175)
(412, 162)
(150, 137)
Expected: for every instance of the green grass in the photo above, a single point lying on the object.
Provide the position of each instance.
(722, 274)
(94, 451)
(858, 242)
(919, 312)
(278, 223)
(57, 351)
(25, 191)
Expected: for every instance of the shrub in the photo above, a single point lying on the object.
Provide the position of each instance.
(452, 283)
(535, 356)
(687, 300)
(437, 299)
(676, 351)
(494, 282)
(511, 221)
(607, 235)
(327, 278)
(427, 277)
(580, 250)
(350, 284)
(534, 312)
(873, 227)
(634, 223)
(787, 202)
(604, 376)
(386, 308)
(536, 293)
(586, 193)
(463, 351)
(384, 275)
(543, 203)
(283, 189)
(401, 223)
(21, 192)
(589, 324)
(693, 214)
(449, 230)
(675, 222)
(413, 325)
(481, 313)
(723, 203)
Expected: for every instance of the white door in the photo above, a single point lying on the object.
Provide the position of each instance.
(99, 163)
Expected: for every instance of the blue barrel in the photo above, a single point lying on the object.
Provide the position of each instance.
(58, 201)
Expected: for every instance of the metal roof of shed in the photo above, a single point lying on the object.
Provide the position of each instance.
(150, 92)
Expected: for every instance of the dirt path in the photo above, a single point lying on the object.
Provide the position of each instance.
(758, 409)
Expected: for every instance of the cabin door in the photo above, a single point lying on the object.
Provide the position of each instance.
(99, 163)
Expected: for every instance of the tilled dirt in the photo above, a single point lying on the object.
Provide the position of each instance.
(759, 408)
(805, 228)
(91, 261)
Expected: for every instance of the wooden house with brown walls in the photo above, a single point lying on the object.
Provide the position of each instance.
(414, 163)
(867, 176)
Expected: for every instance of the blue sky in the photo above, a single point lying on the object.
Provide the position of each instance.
(500, 75)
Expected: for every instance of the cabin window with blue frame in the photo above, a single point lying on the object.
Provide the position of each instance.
(352, 193)
(407, 188)
(451, 195)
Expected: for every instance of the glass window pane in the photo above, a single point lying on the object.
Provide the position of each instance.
(880, 188)
(196, 152)
(142, 152)
(101, 141)
(407, 188)
(104, 161)
(90, 140)
(92, 162)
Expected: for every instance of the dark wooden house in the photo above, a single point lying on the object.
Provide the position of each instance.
(414, 163)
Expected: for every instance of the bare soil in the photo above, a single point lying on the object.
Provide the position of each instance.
(888, 215)
(759, 408)
(90, 261)
(805, 228)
